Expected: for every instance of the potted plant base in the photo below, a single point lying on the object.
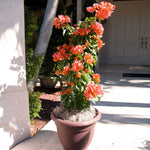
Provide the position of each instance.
(48, 82)
(75, 135)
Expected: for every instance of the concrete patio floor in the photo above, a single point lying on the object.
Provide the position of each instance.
(125, 108)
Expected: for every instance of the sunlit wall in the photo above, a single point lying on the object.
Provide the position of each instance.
(14, 109)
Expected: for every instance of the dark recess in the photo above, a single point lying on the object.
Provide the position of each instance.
(136, 75)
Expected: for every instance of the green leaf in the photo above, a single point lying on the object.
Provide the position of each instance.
(95, 99)
(86, 77)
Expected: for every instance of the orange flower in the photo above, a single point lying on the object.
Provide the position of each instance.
(66, 70)
(81, 31)
(87, 44)
(88, 58)
(78, 75)
(61, 20)
(75, 58)
(102, 10)
(58, 72)
(86, 70)
(93, 90)
(100, 43)
(70, 40)
(60, 92)
(78, 49)
(72, 84)
(58, 56)
(68, 91)
(97, 28)
(96, 77)
(83, 72)
(77, 66)
(90, 9)
(61, 53)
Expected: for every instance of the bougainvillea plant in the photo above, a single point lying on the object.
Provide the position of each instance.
(76, 61)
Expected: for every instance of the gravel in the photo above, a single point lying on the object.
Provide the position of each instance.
(74, 115)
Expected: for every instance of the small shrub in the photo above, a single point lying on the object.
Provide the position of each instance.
(34, 105)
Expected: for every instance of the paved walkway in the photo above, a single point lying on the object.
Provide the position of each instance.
(125, 108)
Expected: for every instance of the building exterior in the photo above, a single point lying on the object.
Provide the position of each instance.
(14, 107)
(127, 34)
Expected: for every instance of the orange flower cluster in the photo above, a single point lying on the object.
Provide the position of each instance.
(61, 20)
(78, 75)
(58, 56)
(93, 90)
(87, 44)
(102, 10)
(81, 31)
(78, 49)
(100, 42)
(66, 70)
(72, 84)
(96, 77)
(77, 66)
(61, 53)
(88, 58)
(58, 72)
(97, 28)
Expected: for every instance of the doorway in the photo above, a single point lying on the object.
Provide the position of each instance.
(129, 37)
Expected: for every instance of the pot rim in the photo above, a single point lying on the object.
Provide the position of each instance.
(77, 123)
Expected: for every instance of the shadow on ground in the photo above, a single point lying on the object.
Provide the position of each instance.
(123, 104)
(111, 81)
(123, 119)
(146, 145)
(43, 140)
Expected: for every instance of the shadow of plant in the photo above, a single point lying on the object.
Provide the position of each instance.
(146, 145)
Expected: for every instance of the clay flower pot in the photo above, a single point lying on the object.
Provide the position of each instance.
(47, 82)
(75, 135)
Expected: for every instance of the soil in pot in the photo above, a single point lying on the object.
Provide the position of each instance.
(74, 115)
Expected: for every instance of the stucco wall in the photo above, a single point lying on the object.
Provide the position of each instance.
(14, 107)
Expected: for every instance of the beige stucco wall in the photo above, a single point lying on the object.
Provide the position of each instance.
(14, 107)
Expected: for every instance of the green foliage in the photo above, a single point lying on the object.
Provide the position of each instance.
(34, 105)
(32, 62)
(30, 28)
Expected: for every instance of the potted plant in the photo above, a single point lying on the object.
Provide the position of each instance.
(75, 118)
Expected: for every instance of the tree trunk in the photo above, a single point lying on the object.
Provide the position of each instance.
(44, 36)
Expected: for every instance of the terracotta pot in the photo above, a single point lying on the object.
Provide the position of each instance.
(47, 82)
(75, 135)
